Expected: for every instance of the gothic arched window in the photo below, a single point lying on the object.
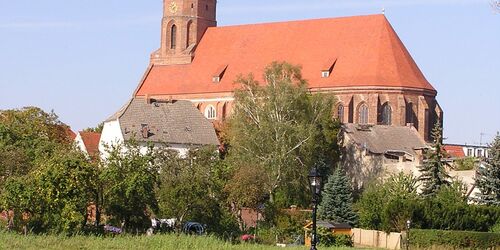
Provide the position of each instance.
(173, 37)
(409, 113)
(386, 115)
(340, 113)
(363, 114)
(210, 112)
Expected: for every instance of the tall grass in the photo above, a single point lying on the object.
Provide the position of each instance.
(16, 241)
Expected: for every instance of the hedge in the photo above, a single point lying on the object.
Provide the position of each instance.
(456, 239)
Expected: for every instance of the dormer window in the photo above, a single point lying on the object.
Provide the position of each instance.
(219, 73)
(328, 68)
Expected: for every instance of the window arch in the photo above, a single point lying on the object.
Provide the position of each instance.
(386, 114)
(363, 114)
(210, 112)
(340, 112)
(173, 37)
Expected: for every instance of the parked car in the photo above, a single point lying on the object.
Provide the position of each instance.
(193, 228)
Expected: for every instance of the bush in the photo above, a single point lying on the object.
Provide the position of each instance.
(455, 239)
(327, 239)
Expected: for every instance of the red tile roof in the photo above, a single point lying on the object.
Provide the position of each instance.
(91, 141)
(70, 134)
(454, 151)
(367, 51)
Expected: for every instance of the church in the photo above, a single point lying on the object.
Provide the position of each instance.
(359, 59)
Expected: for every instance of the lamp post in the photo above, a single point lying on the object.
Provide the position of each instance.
(315, 183)
(408, 225)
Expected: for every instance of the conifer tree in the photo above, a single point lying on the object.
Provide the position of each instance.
(433, 171)
(336, 205)
(488, 176)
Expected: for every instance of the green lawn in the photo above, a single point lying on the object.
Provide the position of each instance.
(15, 241)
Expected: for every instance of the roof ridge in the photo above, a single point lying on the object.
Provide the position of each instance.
(295, 21)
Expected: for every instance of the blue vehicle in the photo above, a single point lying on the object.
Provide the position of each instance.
(193, 228)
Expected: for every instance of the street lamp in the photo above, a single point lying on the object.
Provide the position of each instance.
(315, 183)
(408, 225)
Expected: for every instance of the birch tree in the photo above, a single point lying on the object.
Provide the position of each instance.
(283, 129)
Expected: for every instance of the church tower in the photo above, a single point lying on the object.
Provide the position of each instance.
(183, 25)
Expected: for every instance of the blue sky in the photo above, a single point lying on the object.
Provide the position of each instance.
(84, 58)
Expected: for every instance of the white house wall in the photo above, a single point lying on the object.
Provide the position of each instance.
(80, 144)
(111, 135)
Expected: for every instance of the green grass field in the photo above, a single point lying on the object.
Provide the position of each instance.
(15, 241)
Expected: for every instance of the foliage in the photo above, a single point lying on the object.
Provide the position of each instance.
(387, 205)
(278, 126)
(97, 129)
(245, 188)
(433, 171)
(383, 209)
(455, 239)
(27, 137)
(488, 176)
(129, 178)
(467, 163)
(336, 203)
(192, 189)
(327, 239)
(55, 196)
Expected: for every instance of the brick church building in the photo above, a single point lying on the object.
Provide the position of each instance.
(360, 59)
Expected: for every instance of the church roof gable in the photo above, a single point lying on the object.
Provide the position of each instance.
(367, 51)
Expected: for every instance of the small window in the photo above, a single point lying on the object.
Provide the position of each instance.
(192, 6)
(173, 37)
(470, 152)
(340, 113)
(386, 115)
(210, 112)
(363, 114)
(325, 74)
(216, 79)
(479, 153)
(206, 7)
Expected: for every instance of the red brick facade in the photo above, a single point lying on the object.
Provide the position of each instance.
(369, 70)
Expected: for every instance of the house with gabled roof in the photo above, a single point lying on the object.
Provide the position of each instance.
(377, 151)
(88, 142)
(174, 124)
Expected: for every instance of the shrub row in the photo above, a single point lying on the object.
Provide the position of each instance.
(456, 239)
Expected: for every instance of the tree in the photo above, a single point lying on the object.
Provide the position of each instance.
(488, 176)
(282, 128)
(97, 129)
(27, 137)
(130, 178)
(388, 205)
(336, 203)
(192, 188)
(433, 171)
(55, 196)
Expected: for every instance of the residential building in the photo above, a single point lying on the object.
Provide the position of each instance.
(88, 142)
(375, 151)
(173, 124)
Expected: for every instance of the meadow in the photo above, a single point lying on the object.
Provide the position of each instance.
(16, 241)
